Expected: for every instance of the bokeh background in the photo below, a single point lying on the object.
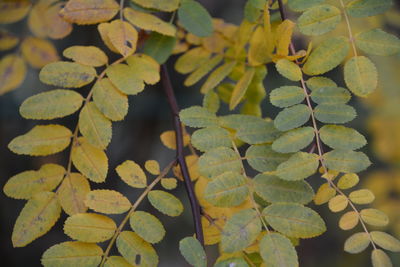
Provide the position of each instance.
(137, 138)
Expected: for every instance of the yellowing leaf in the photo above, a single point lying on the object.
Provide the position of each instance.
(37, 217)
(149, 22)
(299, 166)
(56, 26)
(198, 117)
(217, 76)
(328, 55)
(191, 60)
(385, 241)
(90, 161)
(292, 117)
(361, 76)
(168, 138)
(377, 42)
(191, 162)
(94, 126)
(348, 180)
(346, 160)
(89, 12)
(334, 113)
(109, 100)
(277, 250)
(13, 11)
(341, 137)
(324, 193)
(67, 74)
(42, 140)
(362, 196)
(301, 5)
(349, 220)
(319, 20)
(169, 183)
(152, 167)
(294, 140)
(7, 40)
(86, 55)
(116, 261)
(145, 68)
(107, 201)
(165, 203)
(72, 192)
(330, 95)
(147, 226)
(289, 69)
(38, 52)
(132, 247)
(167, 6)
(36, 21)
(241, 87)
(320, 81)
(89, 227)
(104, 29)
(51, 104)
(72, 253)
(219, 160)
(193, 251)
(366, 8)
(12, 73)
(211, 137)
(26, 184)
(125, 79)
(123, 37)
(284, 36)
(260, 51)
(357, 243)
(205, 68)
(286, 96)
(132, 174)
(374, 217)
(338, 203)
(380, 259)
(257, 131)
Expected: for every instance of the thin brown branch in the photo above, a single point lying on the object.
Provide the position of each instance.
(167, 86)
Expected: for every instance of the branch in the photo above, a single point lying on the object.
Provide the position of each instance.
(167, 86)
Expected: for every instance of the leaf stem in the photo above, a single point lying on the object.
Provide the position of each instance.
(349, 28)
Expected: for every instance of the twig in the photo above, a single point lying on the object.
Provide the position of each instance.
(167, 86)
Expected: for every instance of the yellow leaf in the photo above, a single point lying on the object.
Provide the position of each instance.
(338, 203)
(12, 73)
(241, 87)
(36, 21)
(348, 180)
(149, 22)
(37, 217)
(362, 196)
(145, 68)
(25, 184)
(215, 43)
(104, 29)
(152, 167)
(7, 40)
(169, 183)
(168, 138)
(125, 79)
(86, 55)
(38, 52)
(132, 174)
(284, 36)
(110, 101)
(51, 104)
(117, 261)
(168, 6)
(123, 37)
(203, 70)
(107, 201)
(191, 162)
(260, 51)
(217, 76)
(13, 11)
(94, 126)
(192, 60)
(90, 161)
(89, 12)
(289, 69)
(42, 140)
(89, 227)
(72, 192)
(57, 27)
(324, 194)
(147, 226)
(349, 220)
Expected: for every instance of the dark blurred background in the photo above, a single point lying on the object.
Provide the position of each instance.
(137, 138)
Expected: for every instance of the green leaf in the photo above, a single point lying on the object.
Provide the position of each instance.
(192, 60)
(147, 226)
(319, 20)
(132, 174)
(253, 10)
(211, 101)
(319, 81)
(301, 5)
(168, 6)
(240, 231)
(227, 190)
(67, 74)
(263, 159)
(346, 161)
(133, 248)
(198, 117)
(50, 105)
(272, 189)
(294, 140)
(380, 259)
(89, 227)
(385, 241)
(336, 113)
(217, 76)
(357, 243)
(286, 96)
(159, 46)
(241, 87)
(37, 217)
(294, 220)
(289, 69)
(71, 253)
(330, 95)
(145, 67)
(361, 76)
(107, 201)
(328, 55)
(165, 202)
(340, 137)
(193, 252)
(109, 100)
(257, 131)
(42, 140)
(203, 70)
(299, 166)
(292, 117)
(195, 18)
(277, 250)
(211, 137)
(235, 121)
(378, 42)
(95, 126)
(26, 184)
(366, 8)
(219, 160)
(374, 217)
(125, 79)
